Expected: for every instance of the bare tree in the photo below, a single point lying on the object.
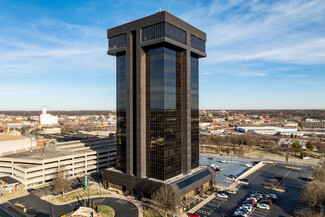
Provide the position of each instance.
(164, 198)
(240, 152)
(227, 150)
(314, 193)
(60, 180)
(260, 155)
(320, 174)
(287, 157)
(305, 212)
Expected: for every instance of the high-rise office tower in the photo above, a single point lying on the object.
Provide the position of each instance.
(157, 105)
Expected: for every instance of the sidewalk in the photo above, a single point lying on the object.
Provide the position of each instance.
(201, 204)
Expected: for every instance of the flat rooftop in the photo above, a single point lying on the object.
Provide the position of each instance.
(51, 152)
(5, 137)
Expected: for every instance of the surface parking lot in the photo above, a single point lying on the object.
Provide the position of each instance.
(285, 206)
(212, 206)
(259, 212)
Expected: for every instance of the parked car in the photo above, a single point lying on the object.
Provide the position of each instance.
(222, 195)
(252, 198)
(263, 206)
(244, 180)
(249, 165)
(224, 192)
(240, 213)
(268, 202)
(273, 200)
(272, 196)
(76, 186)
(242, 210)
(193, 215)
(269, 199)
(256, 195)
(250, 202)
(215, 170)
(31, 190)
(248, 206)
(232, 177)
(224, 161)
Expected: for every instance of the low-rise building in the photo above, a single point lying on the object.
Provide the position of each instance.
(39, 166)
(8, 183)
(48, 119)
(12, 144)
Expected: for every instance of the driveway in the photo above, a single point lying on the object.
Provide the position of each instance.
(121, 207)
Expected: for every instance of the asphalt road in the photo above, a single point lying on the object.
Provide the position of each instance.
(284, 207)
(5, 213)
(121, 207)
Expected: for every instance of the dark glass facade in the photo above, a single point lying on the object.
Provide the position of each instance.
(194, 112)
(117, 41)
(164, 135)
(121, 111)
(163, 30)
(197, 43)
(157, 95)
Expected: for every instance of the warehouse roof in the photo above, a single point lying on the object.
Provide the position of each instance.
(5, 137)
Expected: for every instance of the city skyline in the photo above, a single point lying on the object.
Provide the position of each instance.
(260, 56)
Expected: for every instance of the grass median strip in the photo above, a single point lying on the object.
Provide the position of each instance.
(106, 211)
(78, 194)
(16, 212)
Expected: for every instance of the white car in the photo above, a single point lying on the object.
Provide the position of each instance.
(272, 195)
(263, 206)
(224, 161)
(248, 207)
(245, 208)
(222, 195)
(240, 213)
(249, 165)
(258, 196)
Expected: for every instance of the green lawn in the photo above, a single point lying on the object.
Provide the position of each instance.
(149, 212)
(14, 210)
(80, 194)
(106, 211)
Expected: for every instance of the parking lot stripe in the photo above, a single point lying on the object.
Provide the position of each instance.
(204, 212)
(207, 209)
(6, 211)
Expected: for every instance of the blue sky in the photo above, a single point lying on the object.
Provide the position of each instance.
(263, 54)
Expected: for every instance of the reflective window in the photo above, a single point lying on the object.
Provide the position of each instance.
(164, 137)
(197, 43)
(153, 32)
(194, 112)
(117, 41)
(163, 30)
(121, 111)
(174, 33)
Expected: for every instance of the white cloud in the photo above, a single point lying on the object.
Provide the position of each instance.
(49, 46)
(275, 31)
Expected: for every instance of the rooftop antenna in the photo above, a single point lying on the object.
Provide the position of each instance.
(168, 8)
